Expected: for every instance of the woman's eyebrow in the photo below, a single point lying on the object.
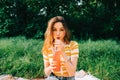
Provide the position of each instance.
(53, 28)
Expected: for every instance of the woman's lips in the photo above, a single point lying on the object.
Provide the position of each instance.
(58, 37)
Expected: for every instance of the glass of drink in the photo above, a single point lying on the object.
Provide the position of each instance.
(56, 57)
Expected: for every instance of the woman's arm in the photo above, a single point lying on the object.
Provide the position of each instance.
(47, 68)
(71, 65)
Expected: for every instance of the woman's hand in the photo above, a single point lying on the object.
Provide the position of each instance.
(53, 65)
(58, 46)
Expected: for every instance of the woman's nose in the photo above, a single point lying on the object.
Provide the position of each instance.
(58, 32)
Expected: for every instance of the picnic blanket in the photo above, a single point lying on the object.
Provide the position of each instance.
(79, 75)
(83, 75)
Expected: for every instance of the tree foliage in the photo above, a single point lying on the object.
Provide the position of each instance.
(86, 18)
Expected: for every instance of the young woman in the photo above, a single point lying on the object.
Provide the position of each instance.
(57, 44)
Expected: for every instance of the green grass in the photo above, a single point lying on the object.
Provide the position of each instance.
(100, 58)
(22, 57)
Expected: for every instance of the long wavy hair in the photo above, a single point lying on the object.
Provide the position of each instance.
(49, 33)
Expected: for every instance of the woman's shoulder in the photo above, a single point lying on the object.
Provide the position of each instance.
(47, 50)
(72, 42)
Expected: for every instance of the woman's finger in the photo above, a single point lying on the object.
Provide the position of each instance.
(53, 64)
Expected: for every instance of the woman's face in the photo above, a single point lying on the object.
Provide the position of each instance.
(58, 31)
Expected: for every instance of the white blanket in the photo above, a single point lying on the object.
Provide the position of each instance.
(82, 75)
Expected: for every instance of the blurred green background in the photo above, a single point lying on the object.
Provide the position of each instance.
(86, 18)
(95, 24)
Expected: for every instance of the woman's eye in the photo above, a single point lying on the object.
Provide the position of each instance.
(54, 30)
(61, 29)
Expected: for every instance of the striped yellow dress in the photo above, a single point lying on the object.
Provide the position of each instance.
(71, 50)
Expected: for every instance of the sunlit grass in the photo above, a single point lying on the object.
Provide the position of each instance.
(100, 58)
(23, 58)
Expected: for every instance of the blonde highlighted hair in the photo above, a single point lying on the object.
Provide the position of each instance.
(48, 34)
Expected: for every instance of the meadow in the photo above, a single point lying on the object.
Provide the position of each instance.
(22, 57)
